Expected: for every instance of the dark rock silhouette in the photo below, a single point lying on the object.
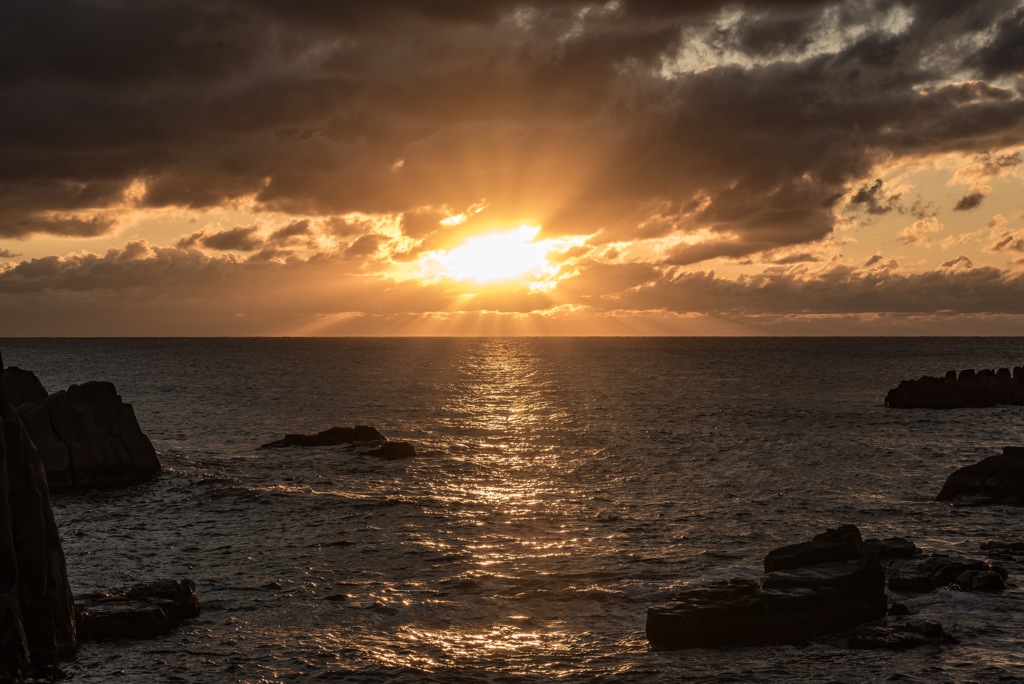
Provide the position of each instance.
(360, 435)
(893, 547)
(330, 437)
(139, 612)
(927, 573)
(86, 435)
(993, 480)
(393, 450)
(814, 588)
(37, 625)
(899, 636)
(968, 389)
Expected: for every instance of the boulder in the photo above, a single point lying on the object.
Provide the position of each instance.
(899, 636)
(893, 547)
(330, 437)
(37, 625)
(993, 480)
(841, 544)
(967, 390)
(927, 573)
(808, 590)
(143, 611)
(86, 435)
(22, 386)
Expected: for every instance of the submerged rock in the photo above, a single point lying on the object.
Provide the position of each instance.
(393, 450)
(86, 435)
(967, 390)
(143, 611)
(330, 437)
(993, 480)
(809, 589)
(899, 636)
(927, 573)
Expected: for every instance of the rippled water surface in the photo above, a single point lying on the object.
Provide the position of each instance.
(562, 486)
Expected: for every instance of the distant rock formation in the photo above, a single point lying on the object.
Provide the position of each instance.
(330, 437)
(968, 389)
(993, 480)
(809, 589)
(37, 625)
(86, 435)
(363, 435)
(143, 611)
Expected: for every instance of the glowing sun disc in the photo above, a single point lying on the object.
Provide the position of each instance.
(497, 256)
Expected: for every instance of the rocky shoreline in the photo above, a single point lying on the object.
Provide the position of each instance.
(78, 438)
(832, 587)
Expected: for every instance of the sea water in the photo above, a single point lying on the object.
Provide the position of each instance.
(562, 486)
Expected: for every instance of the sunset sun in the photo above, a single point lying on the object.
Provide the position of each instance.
(511, 255)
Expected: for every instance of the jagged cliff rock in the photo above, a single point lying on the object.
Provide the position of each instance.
(86, 435)
(37, 618)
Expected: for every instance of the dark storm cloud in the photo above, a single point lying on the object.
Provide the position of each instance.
(874, 199)
(239, 238)
(969, 201)
(563, 113)
(1005, 54)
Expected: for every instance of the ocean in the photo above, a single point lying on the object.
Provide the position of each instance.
(562, 486)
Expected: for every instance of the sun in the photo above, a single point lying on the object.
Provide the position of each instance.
(496, 257)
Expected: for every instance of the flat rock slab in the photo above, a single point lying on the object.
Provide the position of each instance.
(143, 611)
(330, 437)
(788, 606)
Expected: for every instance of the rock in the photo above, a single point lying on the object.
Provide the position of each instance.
(801, 597)
(921, 575)
(893, 547)
(968, 390)
(988, 580)
(993, 480)
(899, 636)
(841, 544)
(899, 610)
(22, 386)
(393, 450)
(139, 612)
(37, 624)
(330, 437)
(86, 435)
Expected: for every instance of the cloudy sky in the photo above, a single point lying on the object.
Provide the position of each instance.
(276, 167)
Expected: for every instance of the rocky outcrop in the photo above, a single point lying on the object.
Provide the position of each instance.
(330, 437)
(966, 389)
(899, 636)
(37, 625)
(360, 435)
(86, 435)
(143, 611)
(810, 589)
(993, 480)
(928, 573)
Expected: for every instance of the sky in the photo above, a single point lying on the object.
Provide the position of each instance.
(488, 167)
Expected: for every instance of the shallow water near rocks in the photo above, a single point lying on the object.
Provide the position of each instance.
(562, 486)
